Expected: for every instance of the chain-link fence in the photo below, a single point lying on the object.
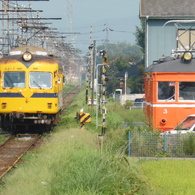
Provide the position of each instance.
(156, 145)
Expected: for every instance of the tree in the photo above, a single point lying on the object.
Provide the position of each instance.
(140, 35)
(135, 83)
(120, 55)
(121, 48)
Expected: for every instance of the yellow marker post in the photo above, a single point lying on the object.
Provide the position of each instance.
(84, 118)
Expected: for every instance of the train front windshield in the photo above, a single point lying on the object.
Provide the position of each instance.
(187, 123)
(166, 90)
(14, 79)
(186, 90)
(42, 80)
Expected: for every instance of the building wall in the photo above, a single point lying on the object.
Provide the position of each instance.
(131, 97)
(160, 40)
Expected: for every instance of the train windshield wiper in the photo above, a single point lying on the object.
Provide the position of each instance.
(9, 81)
(171, 97)
(37, 84)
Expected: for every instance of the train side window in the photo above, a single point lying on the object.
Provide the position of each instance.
(186, 91)
(166, 91)
(14, 79)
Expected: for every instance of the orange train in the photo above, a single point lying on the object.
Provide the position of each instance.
(169, 87)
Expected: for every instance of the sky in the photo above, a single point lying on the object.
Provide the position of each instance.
(121, 16)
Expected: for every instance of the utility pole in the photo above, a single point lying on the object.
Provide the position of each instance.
(126, 77)
(107, 29)
(102, 90)
(15, 17)
(90, 69)
(93, 71)
(88, 76)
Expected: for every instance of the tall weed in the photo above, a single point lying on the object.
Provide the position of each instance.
(71, 163)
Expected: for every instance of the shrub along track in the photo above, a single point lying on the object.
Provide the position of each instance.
(12, 150)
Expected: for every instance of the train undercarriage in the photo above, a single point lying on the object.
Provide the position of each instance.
(28, 122)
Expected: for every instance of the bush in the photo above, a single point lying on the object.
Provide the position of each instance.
(128, 104)
(189, 145)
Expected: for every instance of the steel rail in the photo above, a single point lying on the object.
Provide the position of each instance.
(20, 156)
(8, 140)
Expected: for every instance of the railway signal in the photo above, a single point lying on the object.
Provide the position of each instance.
(104, 79)
(104, 55)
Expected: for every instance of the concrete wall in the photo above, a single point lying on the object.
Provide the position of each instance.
(131, 97)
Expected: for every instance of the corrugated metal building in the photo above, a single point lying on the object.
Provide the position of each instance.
(161, 39)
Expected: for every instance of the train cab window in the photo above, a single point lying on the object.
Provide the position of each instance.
(186, 91)
(14, 79)
(166, 91)
(42, 80)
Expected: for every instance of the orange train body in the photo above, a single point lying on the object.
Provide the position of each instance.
(169, 93)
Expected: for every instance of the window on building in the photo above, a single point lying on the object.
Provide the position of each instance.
(186, 38)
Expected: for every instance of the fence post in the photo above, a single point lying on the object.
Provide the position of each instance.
(129, 147)
(165, 143)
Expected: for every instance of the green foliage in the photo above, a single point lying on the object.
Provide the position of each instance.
(135, 83)
(122, 49)
(86, 171)
(189, 145)
(140, 35)
(112, 84)
(68, 87)
(111, 99)
(127, 115)
(128, 104)
(3, 138)
(121, 56)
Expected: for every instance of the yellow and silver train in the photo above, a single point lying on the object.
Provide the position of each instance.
(31, 83)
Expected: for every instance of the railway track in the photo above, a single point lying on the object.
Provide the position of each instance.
(69, 97)
(13, 149)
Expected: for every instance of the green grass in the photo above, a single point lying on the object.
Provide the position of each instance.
(71, 163)
(3, 138)
(170, 177)
(135, 115)
(68, 87)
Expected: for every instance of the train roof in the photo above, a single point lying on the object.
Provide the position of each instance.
(169, 64)
(31, 49)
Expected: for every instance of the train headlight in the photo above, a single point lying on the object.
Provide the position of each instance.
(27, 56)
(187, 56)
(3, 105)
(49, 105)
